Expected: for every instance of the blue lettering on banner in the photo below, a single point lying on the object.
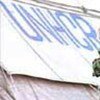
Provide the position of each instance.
(90, 35)
(38, 37)
(58, 31)
(47, 23)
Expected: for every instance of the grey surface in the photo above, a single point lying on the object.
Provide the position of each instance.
(29, 88)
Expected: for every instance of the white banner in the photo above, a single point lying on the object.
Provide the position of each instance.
(48, 43)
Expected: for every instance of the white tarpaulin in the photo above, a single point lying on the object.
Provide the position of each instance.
(45, 42)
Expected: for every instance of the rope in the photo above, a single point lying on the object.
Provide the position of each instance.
(96, 89)
(7, 83)
(74, 9)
